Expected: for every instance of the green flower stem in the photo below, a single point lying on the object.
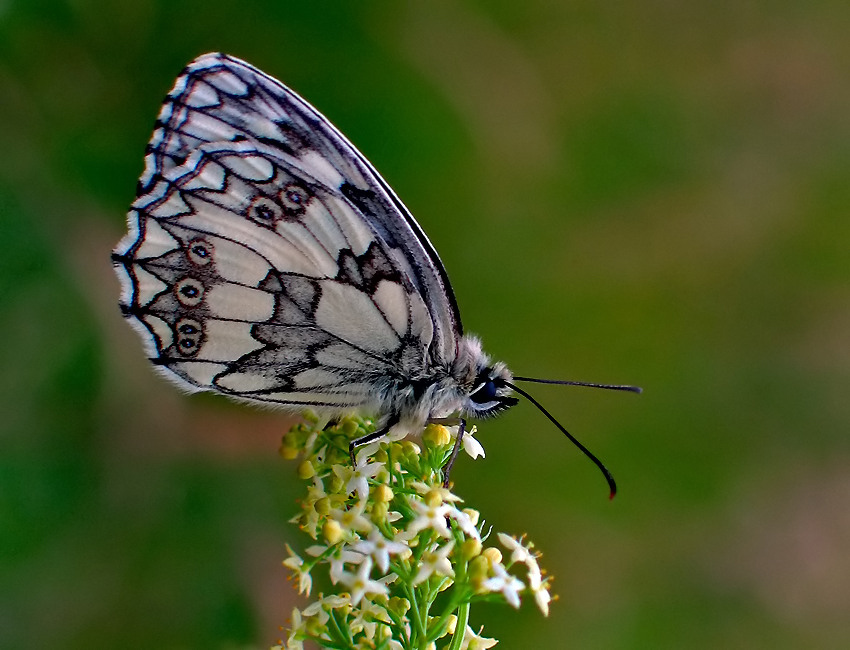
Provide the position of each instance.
(417, 613)
(460, 627)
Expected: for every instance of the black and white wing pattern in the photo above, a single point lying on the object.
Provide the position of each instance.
(266, 259)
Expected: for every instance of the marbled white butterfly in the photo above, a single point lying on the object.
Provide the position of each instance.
(266, 259)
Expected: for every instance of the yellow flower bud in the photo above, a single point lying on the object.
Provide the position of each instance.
(493, 555)
(379, 512)
(470, 548)
(336, 484)
(332, 531)
(433, 498)
(437, 435)
(452, 626)
(314, 627)
(382, 493)
(322, 506)
(410, 449)
(480, 565)
(286, 452)
(306, 470)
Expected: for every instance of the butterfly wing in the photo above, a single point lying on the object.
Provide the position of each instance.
(219, 97)
(267, 259)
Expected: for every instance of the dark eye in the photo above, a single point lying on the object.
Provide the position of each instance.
(486, 393)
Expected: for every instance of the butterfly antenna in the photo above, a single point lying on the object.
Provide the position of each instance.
(612, 485)
(632, 389)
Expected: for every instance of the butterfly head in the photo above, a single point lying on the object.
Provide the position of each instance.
(491, 394)
(486, 385)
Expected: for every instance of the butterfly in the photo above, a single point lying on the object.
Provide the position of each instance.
(266, 259)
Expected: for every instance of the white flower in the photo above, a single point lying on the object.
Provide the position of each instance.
(428, 517)
(360, 584)
(357, 479)
(379, 548)
(338, 561)
(321, 607)
(473, 641)
(366, 617)
(398, 432)
(524, 554)
(519, 553)
(337, 558)
(446, 495)
(465, 522)
(542, 598)
(538, 586)
(352, 519)
(506, 583)
(470, 443)
(298, 627)
(435, 562)
(295, 564)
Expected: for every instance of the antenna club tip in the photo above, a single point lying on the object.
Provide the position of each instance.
(612, 494)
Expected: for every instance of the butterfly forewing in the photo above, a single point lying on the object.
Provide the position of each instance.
(267, 260)
(219, 98)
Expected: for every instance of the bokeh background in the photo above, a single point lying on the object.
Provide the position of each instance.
(649, 192)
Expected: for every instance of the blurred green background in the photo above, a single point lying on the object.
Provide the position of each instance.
(647, 192)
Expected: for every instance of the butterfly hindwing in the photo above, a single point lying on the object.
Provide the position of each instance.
(249, 274)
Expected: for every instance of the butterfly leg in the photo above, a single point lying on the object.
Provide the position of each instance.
(447, 468)
(365, 440)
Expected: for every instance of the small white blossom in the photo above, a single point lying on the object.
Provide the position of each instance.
(379, 548)
(320, 608)
(428, 517)
(470, 443)
(357, 479)
(473, 641)
(503, 581)
(337, 558)
(360, 584)
(298, 627)
(465, 522)
(519, 553)
(524, 554)
(352, 519)
(367, 617)
(542, 597)
(296, 564)
(435, 562)
(446, 495)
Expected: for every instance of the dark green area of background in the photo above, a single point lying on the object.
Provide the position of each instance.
(644, 192)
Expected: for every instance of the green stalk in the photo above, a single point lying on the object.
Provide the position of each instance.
(460, 627)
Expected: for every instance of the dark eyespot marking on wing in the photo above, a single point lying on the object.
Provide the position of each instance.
(264, 211)
(189, 292)
(295, 199)
(188, 336)
(200, 252)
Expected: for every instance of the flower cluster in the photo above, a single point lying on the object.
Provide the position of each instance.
(403, 559)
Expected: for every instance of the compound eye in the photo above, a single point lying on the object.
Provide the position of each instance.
(487, 393)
